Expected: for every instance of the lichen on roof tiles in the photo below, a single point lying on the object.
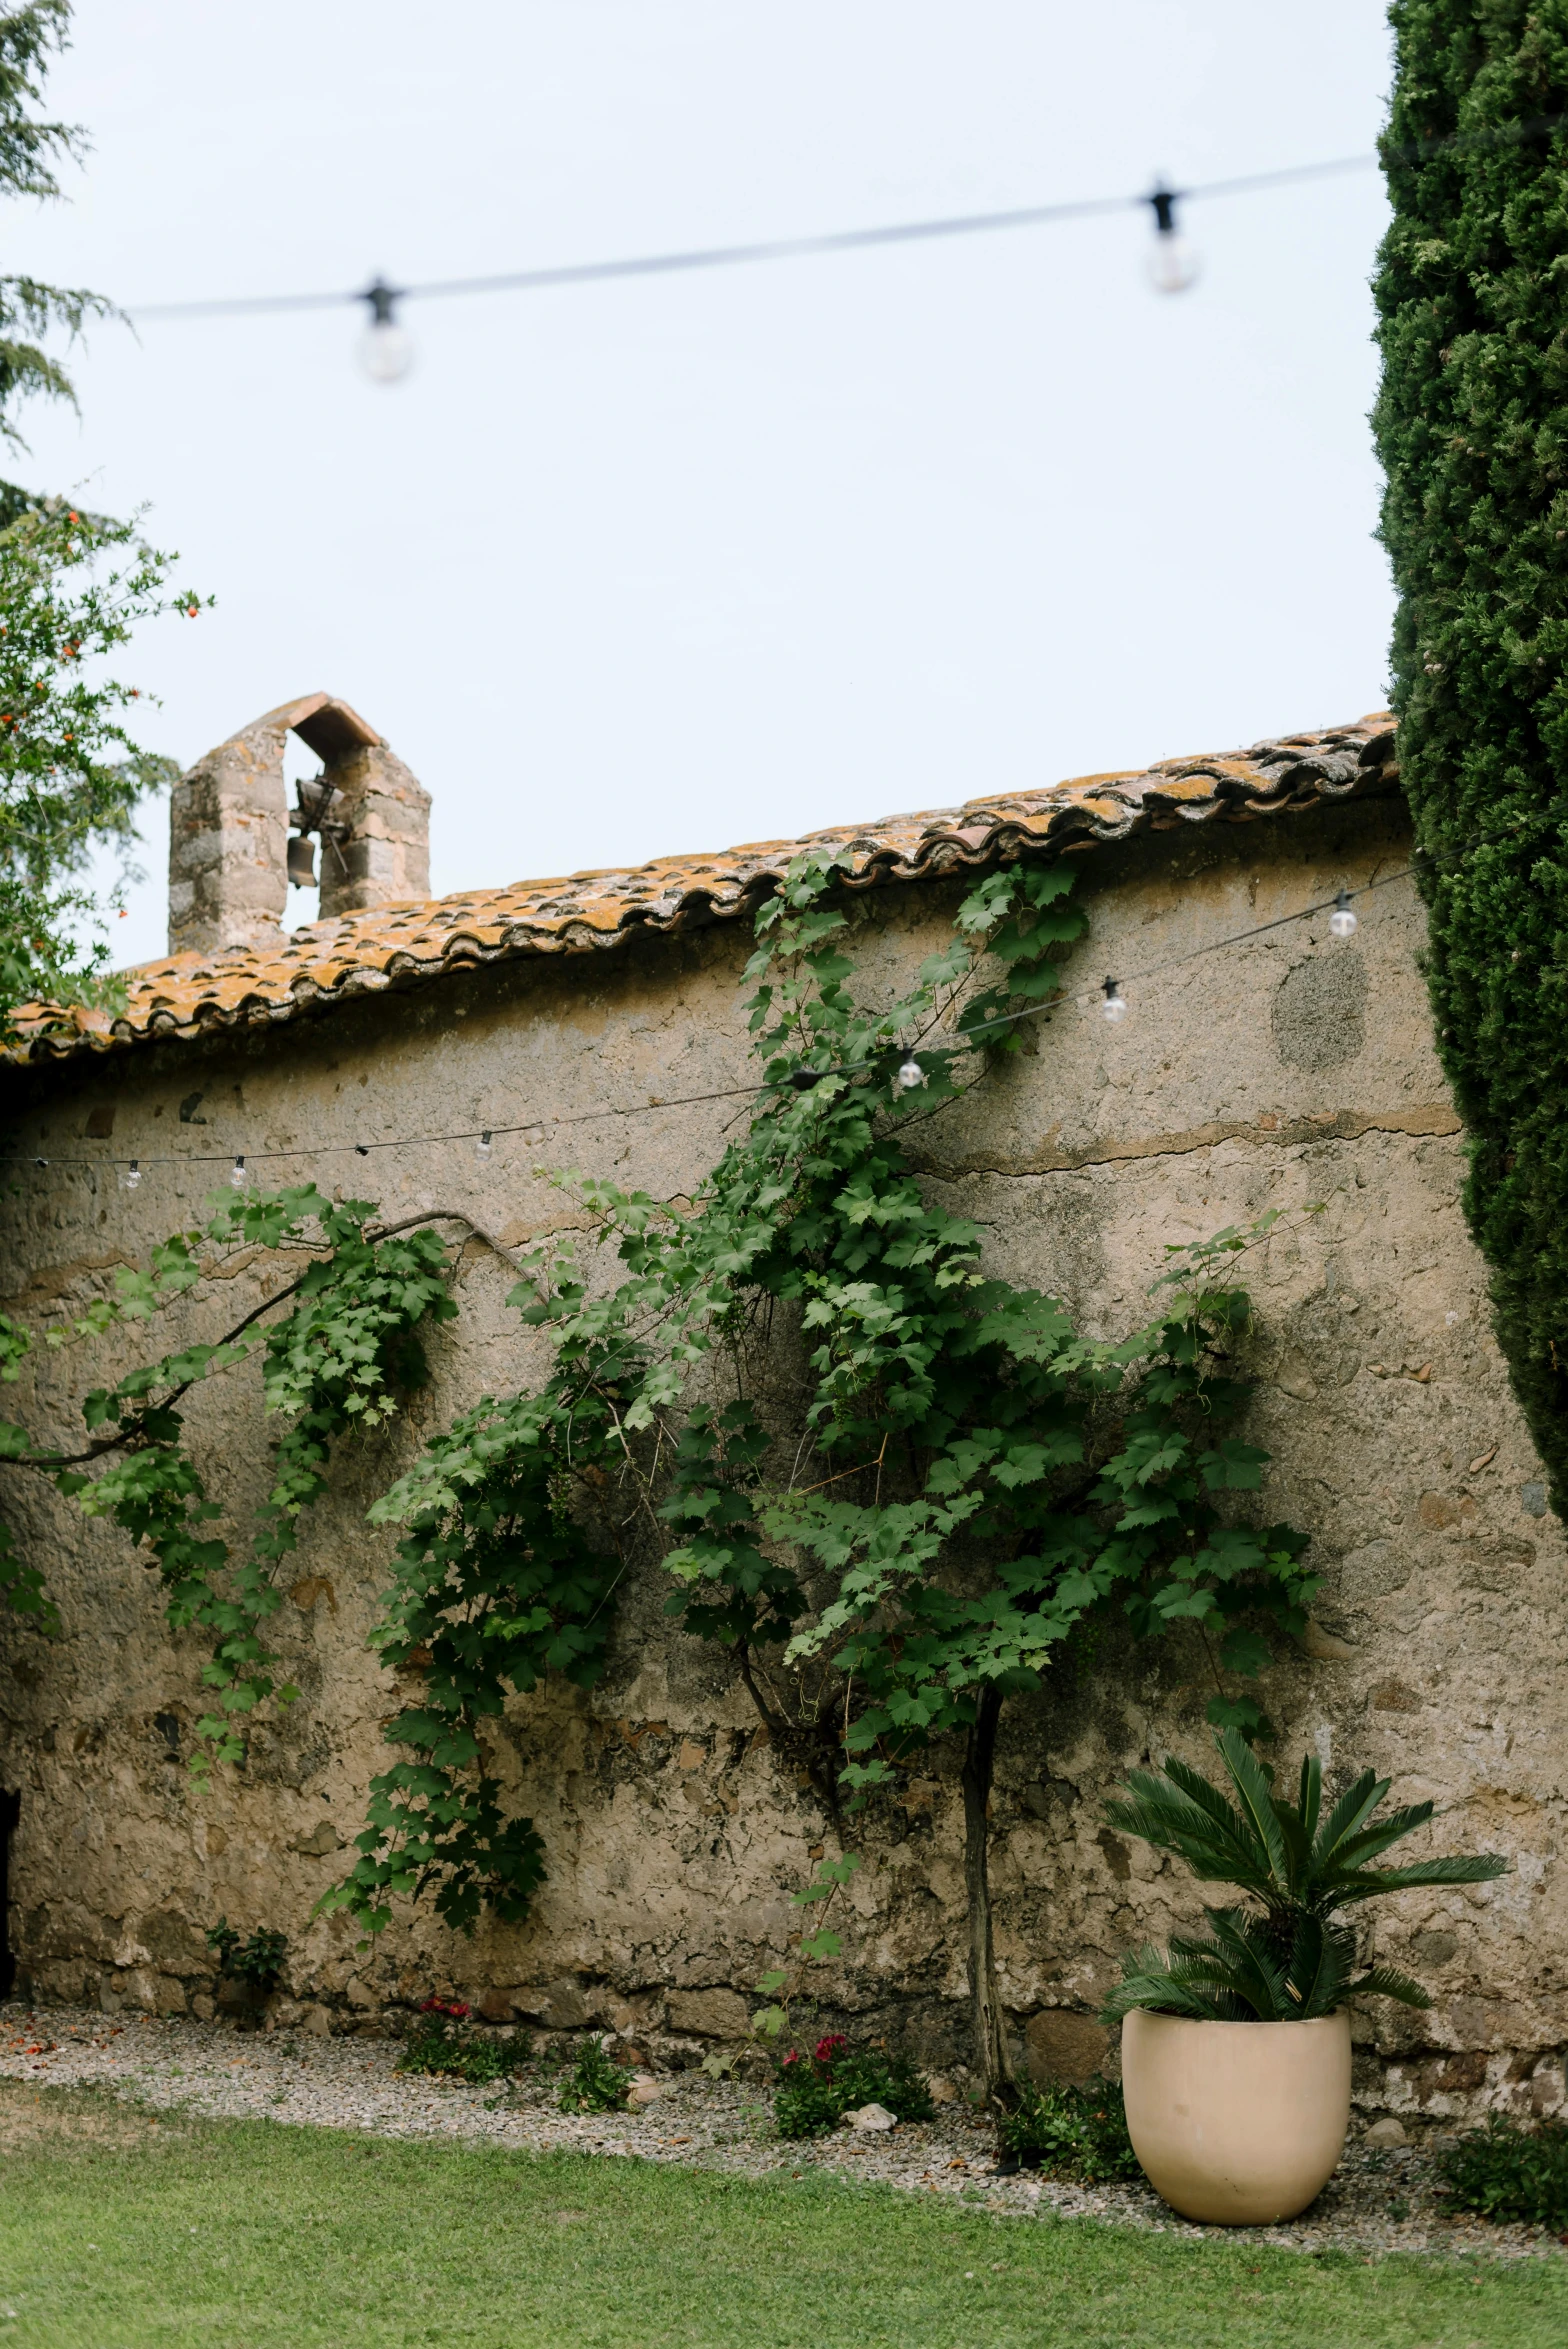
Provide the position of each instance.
(191, 995)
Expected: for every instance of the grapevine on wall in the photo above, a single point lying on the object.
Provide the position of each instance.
(890, 1543)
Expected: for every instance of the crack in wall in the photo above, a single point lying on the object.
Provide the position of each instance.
(1329, 1125)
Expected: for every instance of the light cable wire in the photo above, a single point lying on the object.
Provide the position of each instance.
(799, 248)
(961, 1040)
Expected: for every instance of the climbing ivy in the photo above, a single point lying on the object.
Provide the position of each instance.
(1472, 427)
(890, 1542)
(336, 1360)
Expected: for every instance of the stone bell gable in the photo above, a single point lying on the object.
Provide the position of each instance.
(235, 844)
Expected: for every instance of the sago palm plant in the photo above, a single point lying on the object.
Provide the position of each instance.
(1295, 1960)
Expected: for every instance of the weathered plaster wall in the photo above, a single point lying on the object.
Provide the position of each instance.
(1290, 1072)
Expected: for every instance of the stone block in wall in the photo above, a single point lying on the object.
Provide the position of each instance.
(174, 1943)
(137, 1988)
(1061, 2047)
(562, 2007)
(709, 2014)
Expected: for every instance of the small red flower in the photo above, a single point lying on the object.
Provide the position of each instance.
(831, 2047)
(793, 2057)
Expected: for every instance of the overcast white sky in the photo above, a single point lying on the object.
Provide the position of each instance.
(656, 566)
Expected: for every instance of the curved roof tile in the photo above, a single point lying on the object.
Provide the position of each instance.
(192, 994)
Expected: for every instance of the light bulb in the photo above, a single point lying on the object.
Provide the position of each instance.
(237, 1175)
(1342, 922)
(1114, 1008)
(1173, 262)
(130, 1176)
(386, 350)
(911, 1074)
(484, 1147)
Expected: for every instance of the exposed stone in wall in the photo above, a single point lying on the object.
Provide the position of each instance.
(1287, 1072)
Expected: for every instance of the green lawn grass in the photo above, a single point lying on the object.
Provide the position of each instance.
(118, 2234)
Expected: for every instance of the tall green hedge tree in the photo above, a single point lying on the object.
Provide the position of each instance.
(1472, 427)
(73, 587)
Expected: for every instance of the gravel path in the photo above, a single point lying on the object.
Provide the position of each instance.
(1377, 2201)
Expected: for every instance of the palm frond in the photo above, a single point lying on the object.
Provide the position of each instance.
(1481, 1867)
(1205, 1798)
(1213, 1857)
(1297, 1837)
(1320, 1958)
(1387, 1982)
(1166, 1986)
(1309, 1798)
(1253, 1968)
(1377, 1835)
(1180, 1812)
(1191, 1979)
(1354, 1806)
(1255, 1788)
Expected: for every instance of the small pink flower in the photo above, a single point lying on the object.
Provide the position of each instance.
(830, 2047)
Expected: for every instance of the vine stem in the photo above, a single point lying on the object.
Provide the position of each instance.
(990, 2036)
(50, 1461)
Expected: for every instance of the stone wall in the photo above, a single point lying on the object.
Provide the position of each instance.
(1289, 1072)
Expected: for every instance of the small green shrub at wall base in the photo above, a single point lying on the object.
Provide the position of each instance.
(1503, 2172)
(440, 2043)
(596, 2082)
(815, 2091)
(1077, 2133)
(256, 1960)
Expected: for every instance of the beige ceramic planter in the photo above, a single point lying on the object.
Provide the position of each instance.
(1236, 2124)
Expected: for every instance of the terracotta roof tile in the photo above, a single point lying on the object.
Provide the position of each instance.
(192, 994)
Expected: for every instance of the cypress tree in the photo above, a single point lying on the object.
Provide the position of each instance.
(1472, 427)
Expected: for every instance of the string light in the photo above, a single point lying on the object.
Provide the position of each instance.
(484, 1148)
(386, 350)
(1342, 921)
(1113, 1005)
(910, 1075)
(1173, 262)
(130, 1176)
(392, 349)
